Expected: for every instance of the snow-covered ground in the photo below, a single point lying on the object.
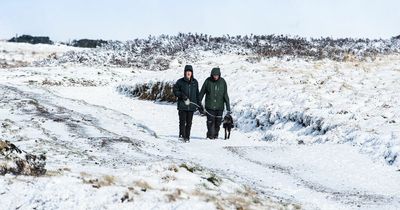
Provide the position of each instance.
(105, 150)
(311, 102)
(22, 54)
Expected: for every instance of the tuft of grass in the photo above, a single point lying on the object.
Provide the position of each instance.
(214, 180)
(173, 168)
(106, 180)
(168, 178)
(172, 197)
(126, 197)
(191, 169)
(143, 185)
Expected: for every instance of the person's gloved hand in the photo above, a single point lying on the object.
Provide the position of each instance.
(184, 97)
(228, 112)
(187, 102)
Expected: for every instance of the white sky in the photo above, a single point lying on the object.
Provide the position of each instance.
(123, 19)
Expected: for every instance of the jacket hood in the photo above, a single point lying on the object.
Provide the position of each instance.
(188, 68)
(215, 71)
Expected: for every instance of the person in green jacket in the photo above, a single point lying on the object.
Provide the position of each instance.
(216, 93)
(187, 91)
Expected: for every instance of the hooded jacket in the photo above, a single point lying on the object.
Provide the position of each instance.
(216, 92)
(185, 88)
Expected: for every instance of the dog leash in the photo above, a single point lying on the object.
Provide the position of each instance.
(203, 109)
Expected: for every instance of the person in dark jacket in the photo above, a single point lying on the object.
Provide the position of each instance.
(187, 91)
(216, 92)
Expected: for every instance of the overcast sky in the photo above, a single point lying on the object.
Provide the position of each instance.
(123, 19)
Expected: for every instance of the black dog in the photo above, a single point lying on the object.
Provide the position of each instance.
(228, 125)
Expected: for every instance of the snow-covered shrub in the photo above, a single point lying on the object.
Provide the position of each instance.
(155, 53)
(160, 91)
(18, 162)
(249, 118)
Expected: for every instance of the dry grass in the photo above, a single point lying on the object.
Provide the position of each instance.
(143, 185)
(106, 180)
(174, 196)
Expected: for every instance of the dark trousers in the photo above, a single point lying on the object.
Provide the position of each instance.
(185, 123)
(214, 120)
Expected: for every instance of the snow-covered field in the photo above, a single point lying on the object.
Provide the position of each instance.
(22, 54)
(309, 135)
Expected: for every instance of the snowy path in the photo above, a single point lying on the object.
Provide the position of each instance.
(326, 176)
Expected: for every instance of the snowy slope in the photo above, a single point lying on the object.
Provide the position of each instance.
(98, 153)
(105, 150)
(311, 102)
(323, 176)
(23, 54)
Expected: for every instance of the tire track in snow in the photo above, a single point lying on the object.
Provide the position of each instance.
(346, 197)
(48, 110)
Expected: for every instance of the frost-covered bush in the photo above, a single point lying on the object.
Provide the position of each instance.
(18, 162)
(160, 91)
(155, 53)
